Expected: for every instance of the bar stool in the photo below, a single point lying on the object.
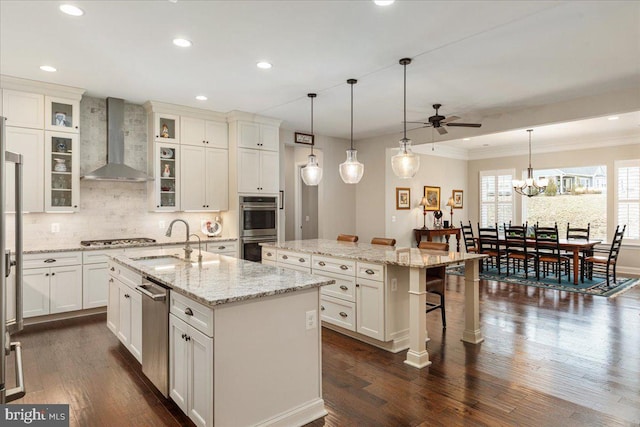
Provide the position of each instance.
(436, 279)
(383, 241)
(347, 238)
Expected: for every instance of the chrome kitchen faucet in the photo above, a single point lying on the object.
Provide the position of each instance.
(187, 247)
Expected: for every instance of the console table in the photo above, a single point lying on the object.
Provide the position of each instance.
(430, 232)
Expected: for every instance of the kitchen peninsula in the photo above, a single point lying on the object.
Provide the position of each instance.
(252, 352)
(380, 291)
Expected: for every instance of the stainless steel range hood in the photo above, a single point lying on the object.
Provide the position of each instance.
(115, 169)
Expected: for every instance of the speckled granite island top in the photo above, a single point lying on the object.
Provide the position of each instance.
(221, 279)
(379, 254)
(75, 246)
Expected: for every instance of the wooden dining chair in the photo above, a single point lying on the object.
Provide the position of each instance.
(469, 238)
(606, 260)
(548, 253)
(436, 280)
(516, 248)
(347, 238)
(489, 244)
(383, 241)
(579, 233)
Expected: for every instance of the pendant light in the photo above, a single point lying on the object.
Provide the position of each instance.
(312, 172)
(351, 170)
(405, 163)
(529, 187)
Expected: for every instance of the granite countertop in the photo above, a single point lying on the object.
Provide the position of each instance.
(75, 246)
(378, 254)
(221, 279)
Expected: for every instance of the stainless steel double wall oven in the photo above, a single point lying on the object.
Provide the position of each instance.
(258, 224)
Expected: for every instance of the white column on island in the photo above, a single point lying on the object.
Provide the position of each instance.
(417, 356)
(472, 333)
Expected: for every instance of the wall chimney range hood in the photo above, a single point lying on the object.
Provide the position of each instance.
(115, 169)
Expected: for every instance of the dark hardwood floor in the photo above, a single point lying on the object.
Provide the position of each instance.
(549, 359)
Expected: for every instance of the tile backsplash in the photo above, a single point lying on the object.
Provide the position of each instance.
(107, 209)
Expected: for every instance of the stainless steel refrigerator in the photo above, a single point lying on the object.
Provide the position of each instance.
(10, 163)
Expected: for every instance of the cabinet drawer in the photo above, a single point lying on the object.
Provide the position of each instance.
(193, 313)
(100, 256)
(269, 263)
(52, 259)
(338, 312)
(334, 265)
(294, 258)
(222, 247)
(301, 268)
(269, 254)
(369, 271)
(125, 275)
(344, 288)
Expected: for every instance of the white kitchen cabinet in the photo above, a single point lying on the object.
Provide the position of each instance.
(223, 248)
(130, 319)
(164, 190)
(200, 132)
(191, 371)
(258, 171)
(204, 178)
(370, 308)
(29, 143)
(166, 127)
(52, 290)
(95, 290)
(62, 172)
(113, 306)
(23, 109)
(258, 136)
(61, 114)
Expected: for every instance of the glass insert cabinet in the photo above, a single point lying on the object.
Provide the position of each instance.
(166, 185)
(62, 174)
(61, 114)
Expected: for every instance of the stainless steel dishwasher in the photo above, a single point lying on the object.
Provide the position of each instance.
(155, 333)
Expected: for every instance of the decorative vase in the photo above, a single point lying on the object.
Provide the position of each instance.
(167, 171)
(61, 147)
(60, 165)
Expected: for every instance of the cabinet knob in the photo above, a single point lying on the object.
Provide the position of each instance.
(53, 274)
(46, 274)
(184, 336)
(343, 314)
(188, 338)
(322, 308)
(112, 269)
(188, 311)
(126, 295)
(110, 280)
(157, 136)
(344, 288)
(285, 257)
(204, 142)
(76, 127)
(75, 206)
(157, 206)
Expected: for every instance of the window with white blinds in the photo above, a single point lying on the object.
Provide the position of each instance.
(628, 197)
(496, 197)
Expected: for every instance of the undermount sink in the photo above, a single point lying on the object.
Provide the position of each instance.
(161, 261)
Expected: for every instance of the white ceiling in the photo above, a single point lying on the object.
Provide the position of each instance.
(477, 58)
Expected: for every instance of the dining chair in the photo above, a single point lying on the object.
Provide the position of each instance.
(516, 248)
(578, 233)
(469, 238)
(489, 244)
(606, 260)
(347, 238)
(548, 253)
(436, 280)
(383, 241)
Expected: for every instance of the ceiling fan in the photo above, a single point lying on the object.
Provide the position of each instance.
(437, 122)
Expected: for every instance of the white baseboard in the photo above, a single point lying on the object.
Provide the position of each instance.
(62, 316)
(395, 346)
(299, 416)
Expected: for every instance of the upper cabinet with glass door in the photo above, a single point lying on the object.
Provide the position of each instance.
(62, 177)
(166, 127)
(61, 114)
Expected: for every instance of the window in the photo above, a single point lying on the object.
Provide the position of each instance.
(574, 195)
(496, 197)
(628, 197)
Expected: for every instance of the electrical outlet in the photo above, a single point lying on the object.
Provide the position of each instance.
(393, 218)
(312, 319)
(162, 225)
(394, 284)
(55, 227)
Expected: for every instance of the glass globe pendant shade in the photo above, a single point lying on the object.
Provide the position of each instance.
(405, 163)
(311, 173)
(351, 170)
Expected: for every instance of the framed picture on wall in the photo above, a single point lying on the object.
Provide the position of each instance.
(403, 198)
(432, 194)
(457, 199)
(303, 138)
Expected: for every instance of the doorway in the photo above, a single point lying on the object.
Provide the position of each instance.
(306, 207)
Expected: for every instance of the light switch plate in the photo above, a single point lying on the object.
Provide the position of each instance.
(55, 227)
(162, 225)
(312, 319)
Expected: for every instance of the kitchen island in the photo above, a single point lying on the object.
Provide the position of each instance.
(252, 352)
(380, 292)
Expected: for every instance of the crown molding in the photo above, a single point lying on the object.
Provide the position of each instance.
(43, 88)
(183, 110)
(236, 115)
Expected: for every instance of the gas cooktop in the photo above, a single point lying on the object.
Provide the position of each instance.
(111, 242)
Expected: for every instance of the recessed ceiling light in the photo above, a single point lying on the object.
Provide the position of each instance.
(466, 139)
(72, 10)
(613, 118)
(48, 68)
(383, 2)
(201, 98)
(264, 65)
(182, 42)
(173, 1)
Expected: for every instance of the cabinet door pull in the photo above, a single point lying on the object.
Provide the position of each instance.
(322, 308)
(188, 311)
(46, 274)
(184, 336)
(49, 260)
(344, 288)
(112, 269)
(126, 295)
(53, 274)
(188, 338)
(301, 259)
(343, 314)
(111, 280)
(322, 264)
(369, 271)
(285, 257)
(344, 267)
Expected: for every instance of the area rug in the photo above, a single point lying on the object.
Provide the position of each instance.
(596, 286)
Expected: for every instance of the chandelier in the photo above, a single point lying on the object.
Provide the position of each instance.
(529, 187)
